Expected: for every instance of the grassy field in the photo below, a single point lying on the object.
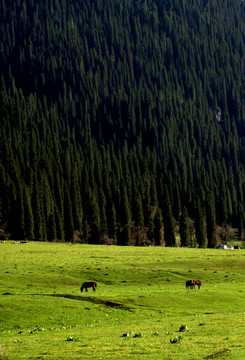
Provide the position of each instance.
(141, 292)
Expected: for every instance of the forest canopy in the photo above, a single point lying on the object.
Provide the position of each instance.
(122, 122)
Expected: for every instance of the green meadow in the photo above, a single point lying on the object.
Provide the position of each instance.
(140, 310)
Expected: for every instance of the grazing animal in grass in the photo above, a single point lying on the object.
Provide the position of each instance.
(87, 285)
(198, 283)
(191, 284)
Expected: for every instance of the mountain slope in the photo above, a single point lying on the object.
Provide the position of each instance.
(116, 118)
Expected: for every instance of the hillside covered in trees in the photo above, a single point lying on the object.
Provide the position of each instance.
(122, 121)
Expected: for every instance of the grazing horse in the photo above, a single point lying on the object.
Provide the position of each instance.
(87, 285)
(198, 283)
(189, 284)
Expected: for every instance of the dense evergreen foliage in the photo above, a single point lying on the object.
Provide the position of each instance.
(122, 121)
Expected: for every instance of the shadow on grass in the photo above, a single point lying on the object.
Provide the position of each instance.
(82, 298)
(93, 300)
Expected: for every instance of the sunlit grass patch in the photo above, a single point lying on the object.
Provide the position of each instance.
(141, 292)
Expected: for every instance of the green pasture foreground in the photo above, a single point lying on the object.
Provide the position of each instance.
(141, 294)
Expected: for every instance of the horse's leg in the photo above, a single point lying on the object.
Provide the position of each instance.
(86, 289)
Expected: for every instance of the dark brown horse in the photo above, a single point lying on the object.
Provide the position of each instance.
(191, 284)
(198, 283)
(87, 285)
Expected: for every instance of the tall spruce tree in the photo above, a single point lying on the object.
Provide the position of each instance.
(200, 226)
(68, 218)
(168, 221)
(158, 228)
(184, 228)
(111, 219)
(125, 217)
(94, 219)
(37, 214)
(51, 228)
(210, 220)
(29, 220)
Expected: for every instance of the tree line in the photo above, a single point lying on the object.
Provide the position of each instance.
(122, 122)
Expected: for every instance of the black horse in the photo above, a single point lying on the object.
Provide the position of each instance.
(87, 285)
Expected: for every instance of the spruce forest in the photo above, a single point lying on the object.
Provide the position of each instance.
(122, 121)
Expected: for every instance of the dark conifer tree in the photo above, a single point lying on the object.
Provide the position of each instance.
(150, 229)
(147, 209)
(111, 219)
(210, 220)
(125, 217)
(158, 228)
(168, 221)
(94, 219)
(200, 226)
(17, 215)
(51, 228)
(68, 218)
(138, 212)
(37, 213)
(29, 221)
(76, 199)
(59, 226)
(184, 228)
